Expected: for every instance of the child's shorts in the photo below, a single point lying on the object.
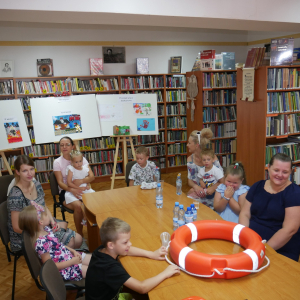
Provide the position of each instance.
(83, 255)
(69, 197)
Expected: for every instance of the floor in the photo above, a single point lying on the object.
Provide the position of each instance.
(25, 286)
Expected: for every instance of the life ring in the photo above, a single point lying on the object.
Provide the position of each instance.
(206, 264)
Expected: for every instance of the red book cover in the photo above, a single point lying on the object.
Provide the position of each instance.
(250, 58)
(208, 54)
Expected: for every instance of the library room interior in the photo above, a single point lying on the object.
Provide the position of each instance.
(154, 145)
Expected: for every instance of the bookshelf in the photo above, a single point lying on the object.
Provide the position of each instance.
(216, 108)
(270, 120)
(168, 146)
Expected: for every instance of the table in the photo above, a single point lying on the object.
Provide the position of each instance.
(137, 207)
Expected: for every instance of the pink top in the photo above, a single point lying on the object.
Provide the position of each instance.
(61, 164)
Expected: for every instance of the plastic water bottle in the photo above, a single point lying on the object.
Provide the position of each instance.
(176, 210)
(188, 216)
(181, 213)
(178, 184)
(181, 223)
(194, 211)
(157, 174)
(175, 223)
(159, 196)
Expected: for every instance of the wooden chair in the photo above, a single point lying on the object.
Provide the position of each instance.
(130, 165)
(53, 282)
(57, 203)
(4, 234)
(4, 183)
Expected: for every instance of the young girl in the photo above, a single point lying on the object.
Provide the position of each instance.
(35, 219)
(210, 176)
(77, 171)
(230, 197)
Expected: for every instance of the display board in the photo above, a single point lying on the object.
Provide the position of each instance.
(139, 111)
(73, 116)
(13, 128)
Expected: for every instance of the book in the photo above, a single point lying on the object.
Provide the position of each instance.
(197, 65)
(208, 54)
(96, 66)
(207, 64)
(250, 58)
(228, 60)
(282, 51)
(218, 62)
(45, 67)
(142, 65)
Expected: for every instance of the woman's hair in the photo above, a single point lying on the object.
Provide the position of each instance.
(75, 153)
(236, 168)
(206, 135)
(208, 152)
(142, 150)
(282, 157)
(111, 228)
(22, 160)
(68, 138)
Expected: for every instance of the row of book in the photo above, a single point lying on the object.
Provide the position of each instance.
(177, 148)
(176, 81)
(177, 109)
(28, 118)
(283, 102)
(7, 87)
(158, 150)
(41, 87)
(142, 82)
(97, 143)
(160, 110)
(25, 102)
(176, 122)
(157, 92)
(161, 160)
(219, 114)
(222, 130)
(31, 133)
(42, 150)
(174, 136)
(106, 169)
(43, 177)
(177, 160)
(94, 85)
(219, 80)
(219, 97)
(283, 78)
(10, 159)
(102, 156)
(44, 164)
(283, 124)
(149, 139)
(226, 160)
(224, 146)
(291, 149)
(175, 96)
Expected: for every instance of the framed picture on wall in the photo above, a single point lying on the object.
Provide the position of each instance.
(176, 64)
(6, 68)
(113, 55)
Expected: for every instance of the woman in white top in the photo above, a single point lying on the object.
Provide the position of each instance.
(60, 168)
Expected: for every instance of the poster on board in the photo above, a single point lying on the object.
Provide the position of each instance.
(73, 116)
(13, 130)
(139, 111)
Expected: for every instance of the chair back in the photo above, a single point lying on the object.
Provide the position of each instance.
(52, 281)
(4, 234)
(4, 183)
(31, 257)
(53, 185)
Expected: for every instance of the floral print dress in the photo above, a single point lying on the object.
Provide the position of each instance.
(58, 253)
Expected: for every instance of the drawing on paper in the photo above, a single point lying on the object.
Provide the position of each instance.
(67, 124)
(110, 112)
(143, 109)
(12, 129)
(146, 124)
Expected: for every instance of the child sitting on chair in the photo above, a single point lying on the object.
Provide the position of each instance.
(77, 171)
(143, 170)
(106, 276)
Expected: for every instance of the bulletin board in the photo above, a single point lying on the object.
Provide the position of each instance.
(73, 116)
(139, 111)
(13, 130)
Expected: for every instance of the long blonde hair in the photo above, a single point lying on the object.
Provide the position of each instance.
(206, 135)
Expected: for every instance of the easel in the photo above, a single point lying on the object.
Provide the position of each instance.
(5, 162)
(124, 139)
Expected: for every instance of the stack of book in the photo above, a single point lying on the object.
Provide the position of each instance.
(255, 57)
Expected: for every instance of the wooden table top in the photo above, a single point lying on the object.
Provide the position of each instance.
(137, 207)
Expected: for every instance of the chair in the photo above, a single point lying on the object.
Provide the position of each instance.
(53, 282)
(129, 166)
(4, 183)
(4, 234)
(34, 265)
(57, 203)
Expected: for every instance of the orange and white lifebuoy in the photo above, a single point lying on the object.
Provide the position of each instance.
(217, 266)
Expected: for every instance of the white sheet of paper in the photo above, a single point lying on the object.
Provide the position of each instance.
(110, 112)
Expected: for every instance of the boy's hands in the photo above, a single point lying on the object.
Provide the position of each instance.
(160, 253)
(210, 191)
(171, 270)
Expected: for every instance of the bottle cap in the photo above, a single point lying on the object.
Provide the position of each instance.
(192, 205)
(159, 185)
(188, 208)
(181, 206)
(176, 203)
(179, 175)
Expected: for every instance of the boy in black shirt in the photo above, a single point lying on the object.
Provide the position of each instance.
(105, 275)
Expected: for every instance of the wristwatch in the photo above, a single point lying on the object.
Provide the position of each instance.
(226, 198)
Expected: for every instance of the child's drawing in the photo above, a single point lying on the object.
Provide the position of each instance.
(12, 129)
(146, 124)
(143, 109)
(67, 124)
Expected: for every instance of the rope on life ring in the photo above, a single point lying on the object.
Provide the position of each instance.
(217, 266)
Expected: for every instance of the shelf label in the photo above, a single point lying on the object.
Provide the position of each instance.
(81, 148)
(30, 155)
(26, 92)
(97, 89)
(29, 107)
(102, 88)
(81, 90)
(33, 141)
(44, 91)
(12, 167)
(35, 169)
(49, 180)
